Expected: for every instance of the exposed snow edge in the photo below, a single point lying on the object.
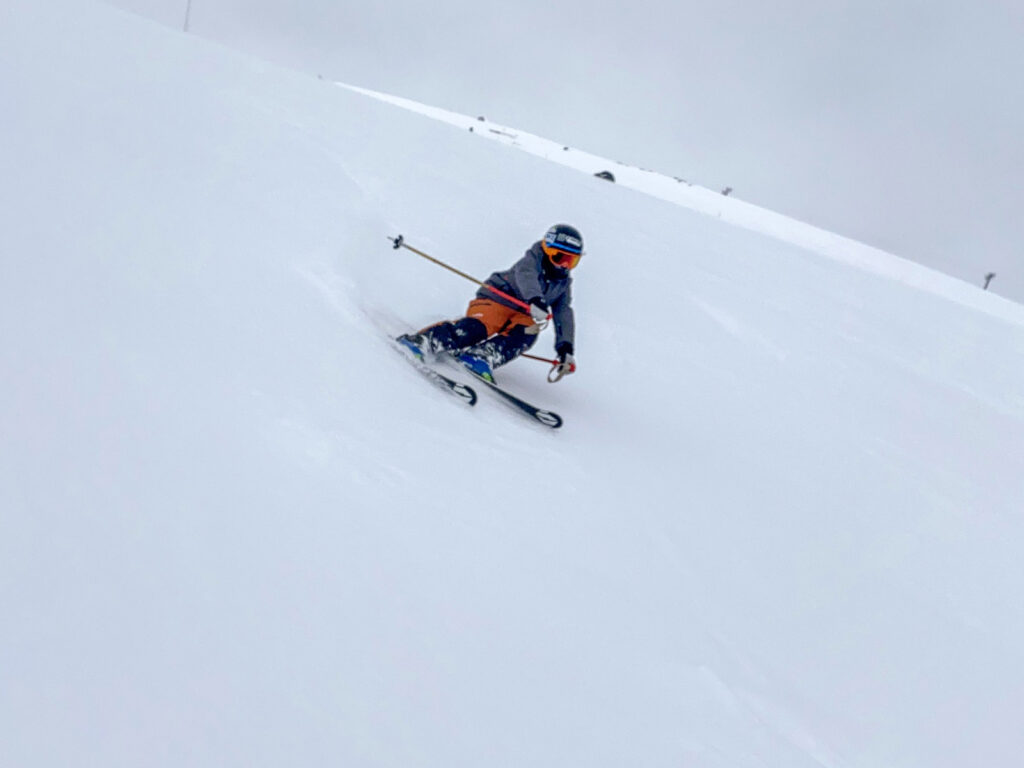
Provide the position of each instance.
(729, 210)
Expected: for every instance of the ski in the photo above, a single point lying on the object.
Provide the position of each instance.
(414, 356)
(545, 417)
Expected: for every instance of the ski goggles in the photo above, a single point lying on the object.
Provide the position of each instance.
(563, 249)
(561, 258)
(564, 259)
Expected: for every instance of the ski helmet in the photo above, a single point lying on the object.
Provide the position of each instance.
(563, 245)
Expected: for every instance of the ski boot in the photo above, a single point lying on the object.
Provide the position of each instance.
(477, 364)
(418, 345)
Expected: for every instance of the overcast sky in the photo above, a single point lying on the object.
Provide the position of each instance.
(895, 122)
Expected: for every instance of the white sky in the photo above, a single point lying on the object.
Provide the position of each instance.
(897, 122)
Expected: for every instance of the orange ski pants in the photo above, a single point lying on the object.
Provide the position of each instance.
(497, 318)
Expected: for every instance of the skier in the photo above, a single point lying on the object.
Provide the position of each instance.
(495, 330)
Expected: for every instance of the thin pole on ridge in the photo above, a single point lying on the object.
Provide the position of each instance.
(188, 12)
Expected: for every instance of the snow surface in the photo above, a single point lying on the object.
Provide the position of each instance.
(781, 527)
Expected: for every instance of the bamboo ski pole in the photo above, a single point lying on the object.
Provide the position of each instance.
(400, 243)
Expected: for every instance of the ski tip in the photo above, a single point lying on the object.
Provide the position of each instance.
(464, 393)
(414, 355)
(548, 419)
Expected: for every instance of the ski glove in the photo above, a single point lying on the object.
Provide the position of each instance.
(538, 310)
(563, 351)
(566, 362)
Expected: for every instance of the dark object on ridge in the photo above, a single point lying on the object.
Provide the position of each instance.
(727, 191)
(606, 175)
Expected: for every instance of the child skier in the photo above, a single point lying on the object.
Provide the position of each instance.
(495, 330)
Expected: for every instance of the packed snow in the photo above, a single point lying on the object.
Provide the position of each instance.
(781, 525)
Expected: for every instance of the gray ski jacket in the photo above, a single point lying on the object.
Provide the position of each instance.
(529, 279)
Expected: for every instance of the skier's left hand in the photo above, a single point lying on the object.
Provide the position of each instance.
(566, 362)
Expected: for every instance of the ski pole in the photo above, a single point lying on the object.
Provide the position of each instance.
(558, 374)
(400, 243)
(541, 359)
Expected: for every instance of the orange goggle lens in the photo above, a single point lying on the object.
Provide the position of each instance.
(564, 259)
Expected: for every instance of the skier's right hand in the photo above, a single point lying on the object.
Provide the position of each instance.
(538, 310)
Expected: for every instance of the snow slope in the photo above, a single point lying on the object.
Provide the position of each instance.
(781, 526)
(711, 203)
